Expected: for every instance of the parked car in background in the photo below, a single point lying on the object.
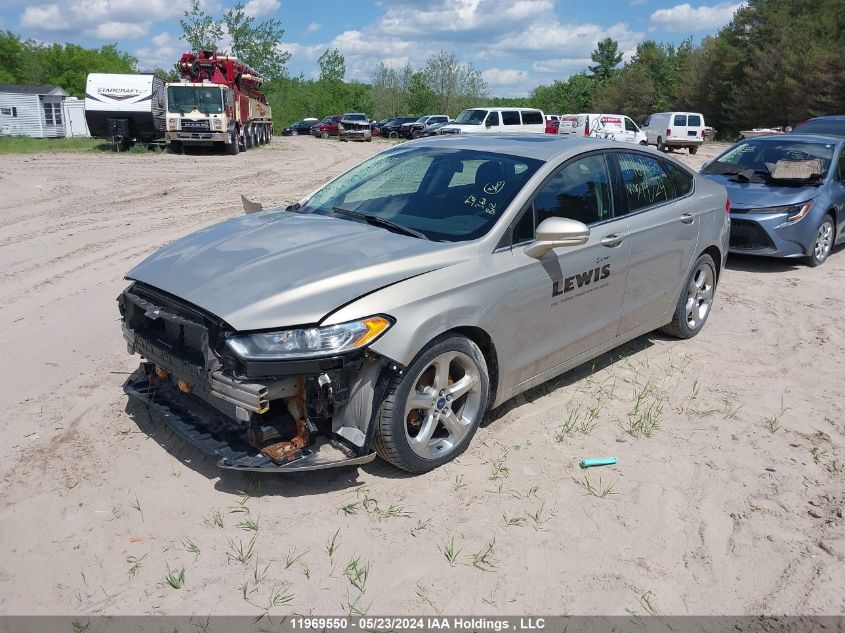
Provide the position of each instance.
(675, 130)
(759, 131)
(787, 195)
(834, 124)
(355, 126)
(552, 123)
(392, 128)
(327, 127)
(507, 120)
(432, 129)
(390, 309)
(300, 127)
(614, 127)
(415, 128)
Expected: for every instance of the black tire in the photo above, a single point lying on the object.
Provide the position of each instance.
(393, 135)
(819, 255)
(232, 147)
(643, 143)
(692, 150)
(391, 436)
(681, 325)
(175, 147)
(660, 146)
(324, 134)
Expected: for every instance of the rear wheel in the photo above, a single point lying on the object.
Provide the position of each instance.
(660, 145)
(692, 150)
(432, 411)
(643, 143)
(695, 301)
(823, 244)
(393, 135)
(175, 147)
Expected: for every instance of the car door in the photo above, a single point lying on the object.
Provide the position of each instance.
(569, 301)
(631, 131)
(663, 226)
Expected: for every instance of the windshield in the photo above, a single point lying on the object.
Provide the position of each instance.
(471, 117)
(821, 126)
(754, 154)
(447, 194)
(184, 99)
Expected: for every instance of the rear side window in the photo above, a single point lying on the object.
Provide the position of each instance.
(492, 119)
(681, 179)
(645, 181)
(680, 119)
(510, 117)
(529, 118)
(694, 120)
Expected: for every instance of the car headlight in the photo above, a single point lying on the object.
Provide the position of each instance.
(309, 342)
(794, 212)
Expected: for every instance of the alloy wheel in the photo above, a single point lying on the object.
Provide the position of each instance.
(824, 241)
(699, 296)
(441, 408)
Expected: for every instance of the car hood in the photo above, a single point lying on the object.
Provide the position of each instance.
(278, 269)
(754, 195)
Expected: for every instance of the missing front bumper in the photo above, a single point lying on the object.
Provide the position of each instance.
(207, 429)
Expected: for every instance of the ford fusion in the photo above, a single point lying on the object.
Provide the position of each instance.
(386, 312)
(787, 195)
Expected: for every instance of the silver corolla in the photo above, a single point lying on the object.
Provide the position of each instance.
(386, 312)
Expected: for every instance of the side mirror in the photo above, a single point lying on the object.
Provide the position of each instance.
(556, 232)
(488, 122)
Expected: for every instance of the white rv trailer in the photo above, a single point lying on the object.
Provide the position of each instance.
(125, 107)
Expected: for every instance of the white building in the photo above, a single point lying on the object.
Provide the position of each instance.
(28, 110)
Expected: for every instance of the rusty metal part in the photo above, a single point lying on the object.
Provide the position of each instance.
(161, 372)
(289, 450)
(183, 386)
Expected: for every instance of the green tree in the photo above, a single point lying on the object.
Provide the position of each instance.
(256, 44)
(200, 30)
(421, 98)
(606, 57)
(13, 53)
(332, 66)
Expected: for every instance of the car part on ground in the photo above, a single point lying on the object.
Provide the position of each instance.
(390, 309)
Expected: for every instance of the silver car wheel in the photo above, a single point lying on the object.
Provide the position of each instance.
(699, 296)
(442, 405)
(824, 241)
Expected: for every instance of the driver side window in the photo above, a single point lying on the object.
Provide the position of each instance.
(492, 119)
(579, 191)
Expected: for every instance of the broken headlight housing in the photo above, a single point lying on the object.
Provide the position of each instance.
(309, 342)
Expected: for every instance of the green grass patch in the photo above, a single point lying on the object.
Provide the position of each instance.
(28, 145)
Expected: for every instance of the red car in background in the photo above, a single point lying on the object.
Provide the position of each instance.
(327, 127)
(552, 123)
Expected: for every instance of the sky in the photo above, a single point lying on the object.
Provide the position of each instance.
(516, 44)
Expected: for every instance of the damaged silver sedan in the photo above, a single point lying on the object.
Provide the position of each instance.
(386, 312)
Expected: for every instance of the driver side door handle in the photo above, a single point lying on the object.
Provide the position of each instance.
(686, 218)
(611, 241)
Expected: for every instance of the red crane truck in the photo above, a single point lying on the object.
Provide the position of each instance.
(218, 101)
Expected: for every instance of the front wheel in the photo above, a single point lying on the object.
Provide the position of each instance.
(232, 147)
(695, 301)
(643, 143)
(324, 135)
(823, 243)
(432, 411)
(692, 150)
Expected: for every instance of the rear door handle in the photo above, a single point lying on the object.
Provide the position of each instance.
(612, 241)
(686, 218)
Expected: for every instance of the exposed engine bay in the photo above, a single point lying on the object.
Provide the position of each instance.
(251, 415)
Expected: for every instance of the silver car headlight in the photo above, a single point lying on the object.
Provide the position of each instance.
(309, 342)
(794, 212)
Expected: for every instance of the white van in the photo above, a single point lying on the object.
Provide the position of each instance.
(475, 120)
(616, 127)
(670, 130)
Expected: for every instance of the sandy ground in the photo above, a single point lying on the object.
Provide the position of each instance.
(732, 505)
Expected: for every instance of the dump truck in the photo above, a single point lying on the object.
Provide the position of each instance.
(217, 102)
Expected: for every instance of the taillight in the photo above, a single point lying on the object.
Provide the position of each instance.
(668, 131)
(587, 128)
(728, 206)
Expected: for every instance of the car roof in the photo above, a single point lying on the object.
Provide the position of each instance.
(807, 138)
(829, 117)
(538, 146)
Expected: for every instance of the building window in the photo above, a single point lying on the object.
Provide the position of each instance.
(52, 112)
(13, 112)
